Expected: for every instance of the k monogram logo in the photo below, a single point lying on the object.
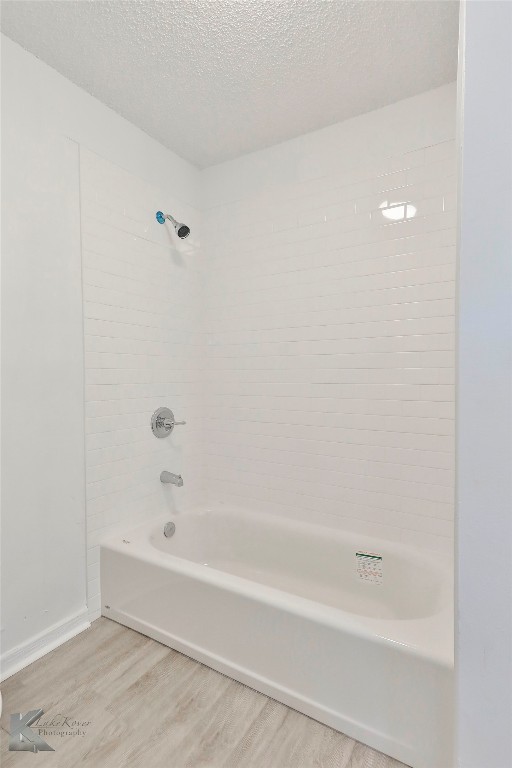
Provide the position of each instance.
(22, 738)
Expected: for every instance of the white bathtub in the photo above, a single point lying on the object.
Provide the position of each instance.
(283, 607)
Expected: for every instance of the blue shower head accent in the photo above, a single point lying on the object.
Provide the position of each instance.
(160, 217)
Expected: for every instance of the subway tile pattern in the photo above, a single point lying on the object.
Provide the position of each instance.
(330, 343)
(143, 350)
(308, 343)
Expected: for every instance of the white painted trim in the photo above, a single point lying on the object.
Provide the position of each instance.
(25, 654)
(93, 615)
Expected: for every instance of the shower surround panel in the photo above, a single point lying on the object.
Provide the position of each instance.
(309, 342)
(330, 329)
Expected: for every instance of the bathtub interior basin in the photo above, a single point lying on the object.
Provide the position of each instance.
(309, 561)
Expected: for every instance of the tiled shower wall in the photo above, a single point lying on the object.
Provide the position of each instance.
(330, 329)
(142, 351)
(309, 342)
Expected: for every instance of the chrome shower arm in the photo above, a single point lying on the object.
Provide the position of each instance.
(182, 230)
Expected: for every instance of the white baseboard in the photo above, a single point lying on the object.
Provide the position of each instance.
(23, 655)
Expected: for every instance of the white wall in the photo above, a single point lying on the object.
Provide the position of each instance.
(331, 331)
(43, 526)
(143, 349)
(484, 434)
(44, 119)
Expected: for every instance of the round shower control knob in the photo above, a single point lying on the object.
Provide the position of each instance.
(163, 422)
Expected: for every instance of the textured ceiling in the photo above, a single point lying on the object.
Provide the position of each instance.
(214, 80)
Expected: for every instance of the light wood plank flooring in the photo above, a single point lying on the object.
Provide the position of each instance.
(151, 707)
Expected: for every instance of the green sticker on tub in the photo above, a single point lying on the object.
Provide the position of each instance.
(369, 567)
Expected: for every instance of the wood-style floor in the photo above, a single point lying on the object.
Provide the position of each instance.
(150, 707)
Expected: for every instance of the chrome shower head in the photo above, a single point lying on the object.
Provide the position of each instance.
(181, 229)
